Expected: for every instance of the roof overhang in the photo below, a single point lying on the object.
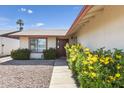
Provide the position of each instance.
(84, 17)
(40, 33)
(37, 36)
(8, 34)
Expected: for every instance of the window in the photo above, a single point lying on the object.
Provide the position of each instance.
(37, 44)
(74, 40)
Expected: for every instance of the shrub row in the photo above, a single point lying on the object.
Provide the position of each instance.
(49, 54)
(20, 54)
(96, 69)
(24, 54)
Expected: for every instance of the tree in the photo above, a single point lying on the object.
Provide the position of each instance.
(20, 23)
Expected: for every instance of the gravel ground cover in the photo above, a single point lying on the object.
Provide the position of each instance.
(26, 73)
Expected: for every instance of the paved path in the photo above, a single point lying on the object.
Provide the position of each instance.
(4, 59)
(62, 76)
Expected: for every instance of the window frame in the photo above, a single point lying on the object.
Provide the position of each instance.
(37, 38)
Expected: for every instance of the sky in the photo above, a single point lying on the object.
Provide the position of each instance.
(38, 16)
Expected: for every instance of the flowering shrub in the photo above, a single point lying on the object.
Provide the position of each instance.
(101, 68)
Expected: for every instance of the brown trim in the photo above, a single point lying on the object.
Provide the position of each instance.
(56, 42)
(7, 35)
(38, 38)
(46, 43)
(83, 12)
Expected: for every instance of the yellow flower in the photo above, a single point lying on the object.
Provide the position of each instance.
(118, 66)
(87, 52)
(118, 56)
(117, 75)
(106, 62)
(107, 58)
(94, 58)
(70, 50)
(91, 62)
(88, 58)
(93, 75)
(74, 58)
(85, 62)
(90, 55)
(101, 60)
(87, 49)
(90, 67)
(91, 58)
(85, 72)
(111, 78)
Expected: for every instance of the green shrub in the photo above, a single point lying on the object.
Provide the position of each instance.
(20, 54)
(101, 68)
(49, 54)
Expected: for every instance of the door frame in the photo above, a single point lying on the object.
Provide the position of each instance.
(61, 39)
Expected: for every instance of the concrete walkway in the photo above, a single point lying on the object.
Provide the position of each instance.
(4, 59)
(62, 76)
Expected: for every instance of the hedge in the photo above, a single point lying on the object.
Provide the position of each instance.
(20, 54)
(96, 69)
(49, 54)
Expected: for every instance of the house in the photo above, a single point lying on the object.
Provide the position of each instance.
(7, 44)
(39, 40)
(95, 27)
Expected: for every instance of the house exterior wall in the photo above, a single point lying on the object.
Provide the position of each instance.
(51, 42)
(106, 29)
(24, 42)
(9, 45)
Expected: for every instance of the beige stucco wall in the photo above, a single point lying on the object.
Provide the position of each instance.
(9, 45)
(106, 29)
(51, 42)
(24, 42)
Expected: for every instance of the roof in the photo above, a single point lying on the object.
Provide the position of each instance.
(5, 33)
(84, 17)
(38, 32)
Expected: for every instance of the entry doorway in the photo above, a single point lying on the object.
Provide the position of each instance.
(60, 43)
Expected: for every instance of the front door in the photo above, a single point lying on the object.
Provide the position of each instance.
(60, 43)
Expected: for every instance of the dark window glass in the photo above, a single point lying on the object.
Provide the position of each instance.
(37, 45)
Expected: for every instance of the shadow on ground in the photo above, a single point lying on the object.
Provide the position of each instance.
(60, 62)
(57, 62)
(28, 62)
